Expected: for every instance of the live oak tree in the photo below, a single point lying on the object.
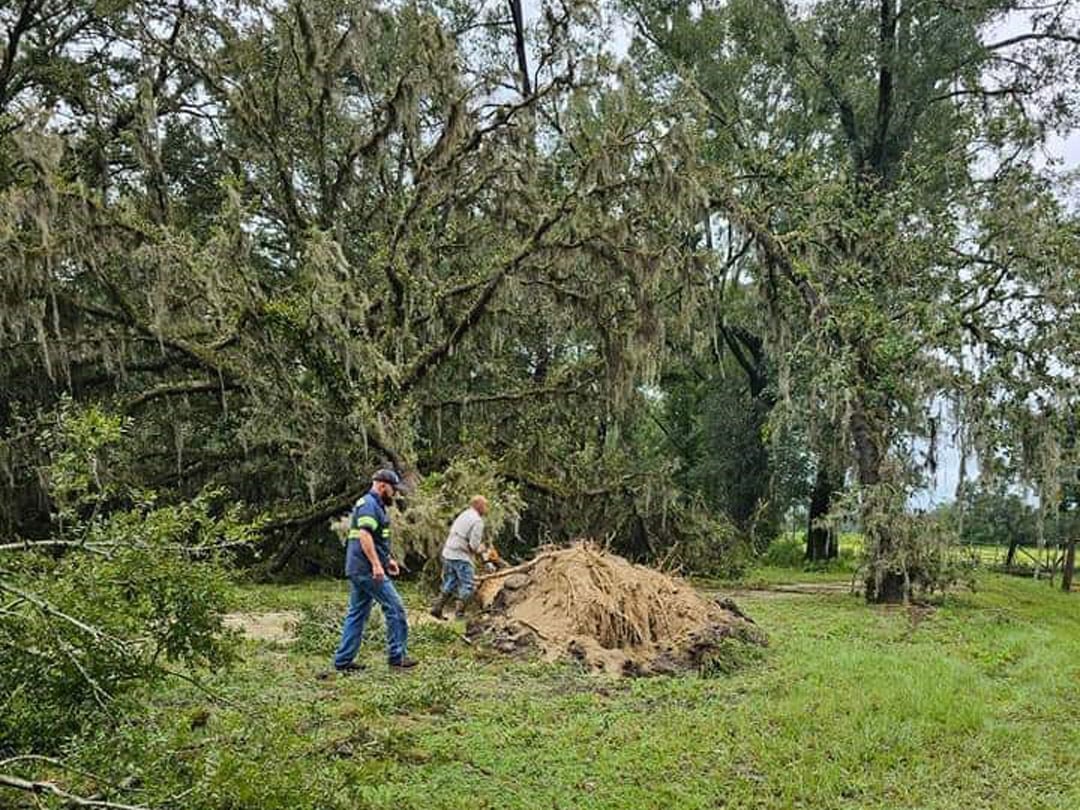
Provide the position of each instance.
(881, 155)
(287, 241)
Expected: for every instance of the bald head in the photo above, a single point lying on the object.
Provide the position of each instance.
(480, 504)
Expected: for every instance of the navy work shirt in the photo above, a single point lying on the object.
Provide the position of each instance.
(369, 514)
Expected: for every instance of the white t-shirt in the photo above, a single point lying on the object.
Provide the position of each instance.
(466, 536)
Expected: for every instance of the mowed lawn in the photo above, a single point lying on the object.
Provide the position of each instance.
(970, 703)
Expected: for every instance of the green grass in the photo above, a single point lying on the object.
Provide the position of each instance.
(288, 597)
(783, 561)
(968, 705)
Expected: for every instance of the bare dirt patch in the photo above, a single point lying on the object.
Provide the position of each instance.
(793, 589)
(586, 604)
(279, 626)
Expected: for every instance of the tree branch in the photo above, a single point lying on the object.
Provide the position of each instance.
(886, 57)
(33, 545)
(48, 610)
(1035, 36)
(432, 358)
(38, 788)
(775, 253)
(179, 389)
(509, 396)
(23, 23)
(843, 105)
(519, 47)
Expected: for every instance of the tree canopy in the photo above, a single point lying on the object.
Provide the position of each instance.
(663, 294)
(909, 247)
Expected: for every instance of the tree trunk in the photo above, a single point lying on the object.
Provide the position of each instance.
(885, 584)
(517, 15)
(821, 541)
(1070, 566)
(1010, 558)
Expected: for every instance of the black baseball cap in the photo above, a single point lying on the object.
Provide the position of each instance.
(390, 477)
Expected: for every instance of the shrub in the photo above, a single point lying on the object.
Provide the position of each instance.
(706, 545)
(318, 629)
(789, 551)
(123, 590)
(79, 631)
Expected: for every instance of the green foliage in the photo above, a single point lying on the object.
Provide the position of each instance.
(849, 144)
(249, 257)
(727, 454)
(705, 544)
(422, 527)
(130, 592)
(729, 656)
(442, 689)
(789, 551)
(310, 248)
(993, 517)
(79, 632)
(922, 551)
(80, 445)
(319, 628)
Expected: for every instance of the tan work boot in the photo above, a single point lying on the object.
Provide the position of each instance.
(438, 604)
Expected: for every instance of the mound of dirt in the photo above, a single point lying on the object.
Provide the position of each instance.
(585, 603)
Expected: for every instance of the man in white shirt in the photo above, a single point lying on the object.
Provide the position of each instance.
(463, 545)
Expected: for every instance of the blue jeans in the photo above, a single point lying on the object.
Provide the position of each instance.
(363, 590)
(457, 578)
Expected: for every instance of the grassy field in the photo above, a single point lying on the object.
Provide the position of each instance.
(784, 557)
(969, 703)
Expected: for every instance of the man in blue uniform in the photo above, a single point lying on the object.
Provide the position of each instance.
(369, 566)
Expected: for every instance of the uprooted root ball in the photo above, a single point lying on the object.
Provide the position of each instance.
(584, 603)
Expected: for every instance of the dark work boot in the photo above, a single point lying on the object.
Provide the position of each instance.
(438, 605)
(459, 608)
